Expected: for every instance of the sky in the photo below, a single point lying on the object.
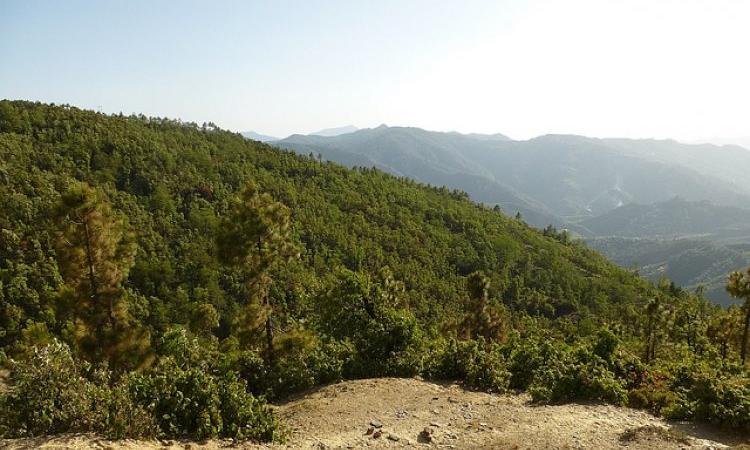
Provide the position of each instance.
(657, 68)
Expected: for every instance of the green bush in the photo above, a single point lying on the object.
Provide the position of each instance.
(392, 345)
(54, 393)
(295, 369)
(584, 372)
(527, 357)
(478, 365)
(702, 393)
(652, 397)
(193, 402)
(50, 395)
(571, 382)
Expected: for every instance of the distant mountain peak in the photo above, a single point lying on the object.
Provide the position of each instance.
(488, 137)
(258, 137)
(330, 132)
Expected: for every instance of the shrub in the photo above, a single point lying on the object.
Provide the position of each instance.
(579, 374)
(576, 381)
(296, 369)
(392, 345)
(193, 402)
(478, 365)
(526, 358)
(51, 395)
(653, 397)
(704, 394)
(185, 348)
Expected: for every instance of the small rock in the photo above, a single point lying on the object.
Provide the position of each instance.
(452, 435)
(377, 434)
(393, 437)
(435, 424)
(436, 398)
(425, 436)
(376, 424)
(452, 400)
(370, 431)
(482, 424)
(435, 411)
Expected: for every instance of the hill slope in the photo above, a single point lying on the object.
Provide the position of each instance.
(597, 188)
(118, 242)
(675, 217)
(568, 176)
(173, 181)
(692, 243)
(429, 157)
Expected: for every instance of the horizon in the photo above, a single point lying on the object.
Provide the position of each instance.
(523, 69)
(717, 141)
(743, 142)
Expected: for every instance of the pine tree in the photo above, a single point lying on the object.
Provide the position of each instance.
(481, 319)
(723, 329)
(256, 236)
(738, 286)
(94, 254)
(654, 313)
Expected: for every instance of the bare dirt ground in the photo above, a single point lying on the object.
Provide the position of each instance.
(410, 413)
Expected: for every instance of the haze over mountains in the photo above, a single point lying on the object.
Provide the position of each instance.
(742, 141)
(258, 137)
(335, 131)
(604, 190)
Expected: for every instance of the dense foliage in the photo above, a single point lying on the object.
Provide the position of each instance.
(216, 272)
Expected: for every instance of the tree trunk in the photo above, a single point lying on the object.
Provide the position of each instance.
(93, 287)
(93, 283)
(269, 332)
(745, 334)
(649, 338)
(270, 360)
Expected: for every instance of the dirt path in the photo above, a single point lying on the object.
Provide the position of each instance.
(403, 413)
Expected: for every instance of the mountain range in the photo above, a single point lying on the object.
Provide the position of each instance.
(258, 137)
(603, 190)
(330, 132)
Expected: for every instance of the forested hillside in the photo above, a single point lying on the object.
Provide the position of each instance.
(694, 264)
(694, 244)
(566, 177)
(675, 217)
(165, 278)
(430, 157)
(601, 189)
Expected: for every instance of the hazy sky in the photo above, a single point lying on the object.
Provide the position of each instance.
(655, 68)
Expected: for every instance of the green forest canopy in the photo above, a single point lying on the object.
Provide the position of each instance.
(389, 277)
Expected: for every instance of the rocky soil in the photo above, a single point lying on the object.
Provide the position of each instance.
(410, 413)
